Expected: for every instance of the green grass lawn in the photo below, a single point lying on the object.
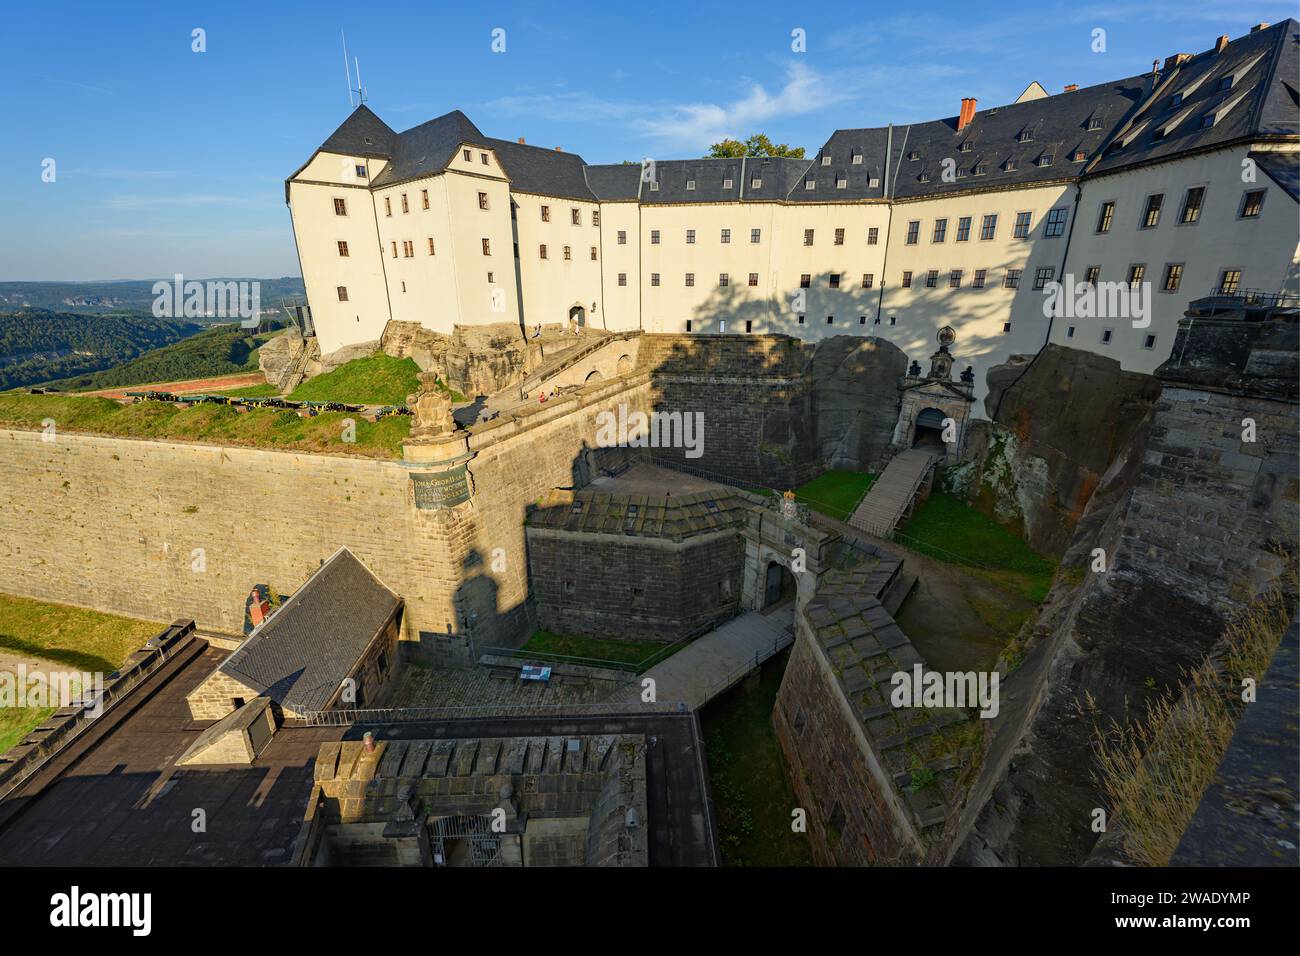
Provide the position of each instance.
(78, 639)
(947, 528)
(595, 649)
(375, 380)
(751, 792)
(218, 424)
(835, 493)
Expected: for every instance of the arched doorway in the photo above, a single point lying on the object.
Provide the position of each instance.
(778, 584)
(593, 376)
(578, 314)
(929, 430)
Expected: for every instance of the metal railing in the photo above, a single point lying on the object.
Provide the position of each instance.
(761, 656)
(379, 716)
(1223, 301)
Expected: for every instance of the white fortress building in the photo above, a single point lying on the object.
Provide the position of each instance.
(1176, 184)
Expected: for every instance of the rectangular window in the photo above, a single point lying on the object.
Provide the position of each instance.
(343, 293)
(1012, 279)
(1173, 276)
(1151, 215)
(1092, 274)
(361, 172)
(654, 278)
(1055, 222)
(388, 206)
(753, 278)
(954, 279)
(725, 237)
(343, 248)
(546, 214)
(595, 217)
(749, 325)
(728, 184)
(622, 237)
(1252, 203)
(483, 158)
(756, 183)
(907, 280)
(690, 237)
(654, 237)
(468, 157)
(978, 281)
(690, 279)
(487, 247)
(868, 280)
(408, 248)
(807, 237)
(1135, 274)
(873, 236)
(424, 198)
(724, 280)
(1042, 277)
(839, 237)
(989, 227)
(913, 232)
(830, 320)
(576, 216)
(541, 251)
(755, 235)
(1149, 342)
(1106, 336)
(689, 324)
(834, 280)
(932, 278)
(431, 252)
(394, 248)
(482, 200)
(940, 230)
(893, 320)
(1230, 282)
(406, 206)
(340, 207)
(593, 253)
(1069, 333)
(963, 229)
(1192, 203)
(1006, 327)
(622, 278)
(1021, 228)
(1106, 216)
(568, 253)
(805, 281)
(690, 184)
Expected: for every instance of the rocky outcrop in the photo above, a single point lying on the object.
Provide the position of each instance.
(1060, 419)
(474, 360)
(856, 399)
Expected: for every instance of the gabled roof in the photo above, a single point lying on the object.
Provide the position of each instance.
(428, 148)
(614, 180)
(361, 134)
(300, 656)
(550, 172)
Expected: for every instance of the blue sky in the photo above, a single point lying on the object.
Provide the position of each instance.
(168, 160)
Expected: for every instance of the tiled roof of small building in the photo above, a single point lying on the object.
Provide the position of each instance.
(647, 516)
(302, 653)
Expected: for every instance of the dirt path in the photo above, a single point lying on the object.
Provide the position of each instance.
(219, 383)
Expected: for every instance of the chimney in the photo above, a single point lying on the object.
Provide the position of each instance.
(559, 149)
(1259, 26)
(1221, 44)
(1176, 59)
(521, 141)
(1071, 87)
(967, 112)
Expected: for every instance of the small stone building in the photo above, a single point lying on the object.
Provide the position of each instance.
(646, 567)
(332, 644)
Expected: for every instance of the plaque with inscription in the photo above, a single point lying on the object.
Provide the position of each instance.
(441, 489)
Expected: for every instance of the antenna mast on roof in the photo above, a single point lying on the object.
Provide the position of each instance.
(346, 69)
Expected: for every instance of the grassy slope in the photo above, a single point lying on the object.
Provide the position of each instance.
(623, 652)
(376, 380)
(224, 350)
(747, 775)
(78, 639)
(218, 424)
(834, 493)
(947, 528)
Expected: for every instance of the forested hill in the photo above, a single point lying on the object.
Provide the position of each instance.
(37, 345)
(223, 350)
(124, 295)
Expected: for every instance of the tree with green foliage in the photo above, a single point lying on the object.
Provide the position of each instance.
(756, 145)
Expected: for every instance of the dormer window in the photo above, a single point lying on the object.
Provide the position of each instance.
(1176, 102)
(1094, 124)
(727, 184)
(1026, 136)
(857, 159)
(690, 184)
(873, 182)
(1009, 165)
(826, 160)
(1207, 121)
(981, 168)
(961, 173)
(966, 147)
(810, 184)
(924, 177)
(841, 183)
(654, 185)
(914, 154)
(1225, 83)
(1045, 159)
(1080, 155)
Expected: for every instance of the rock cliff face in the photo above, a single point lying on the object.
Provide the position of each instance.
(479, 360)
(1189, 518)
(1059, 421)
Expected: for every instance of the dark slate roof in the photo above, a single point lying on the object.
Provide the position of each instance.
(302, 653)
(648, 516)
(779, 175)
(550, 172)
(614, 180)
(429, 147)
(841, 149)
(361, 134)
(1282, 168)
(1171, 121)
(708, 176)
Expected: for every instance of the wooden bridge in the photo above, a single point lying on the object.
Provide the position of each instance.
(891, 497)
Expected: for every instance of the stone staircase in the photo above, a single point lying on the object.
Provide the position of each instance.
(891, 496)
(296, 371)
